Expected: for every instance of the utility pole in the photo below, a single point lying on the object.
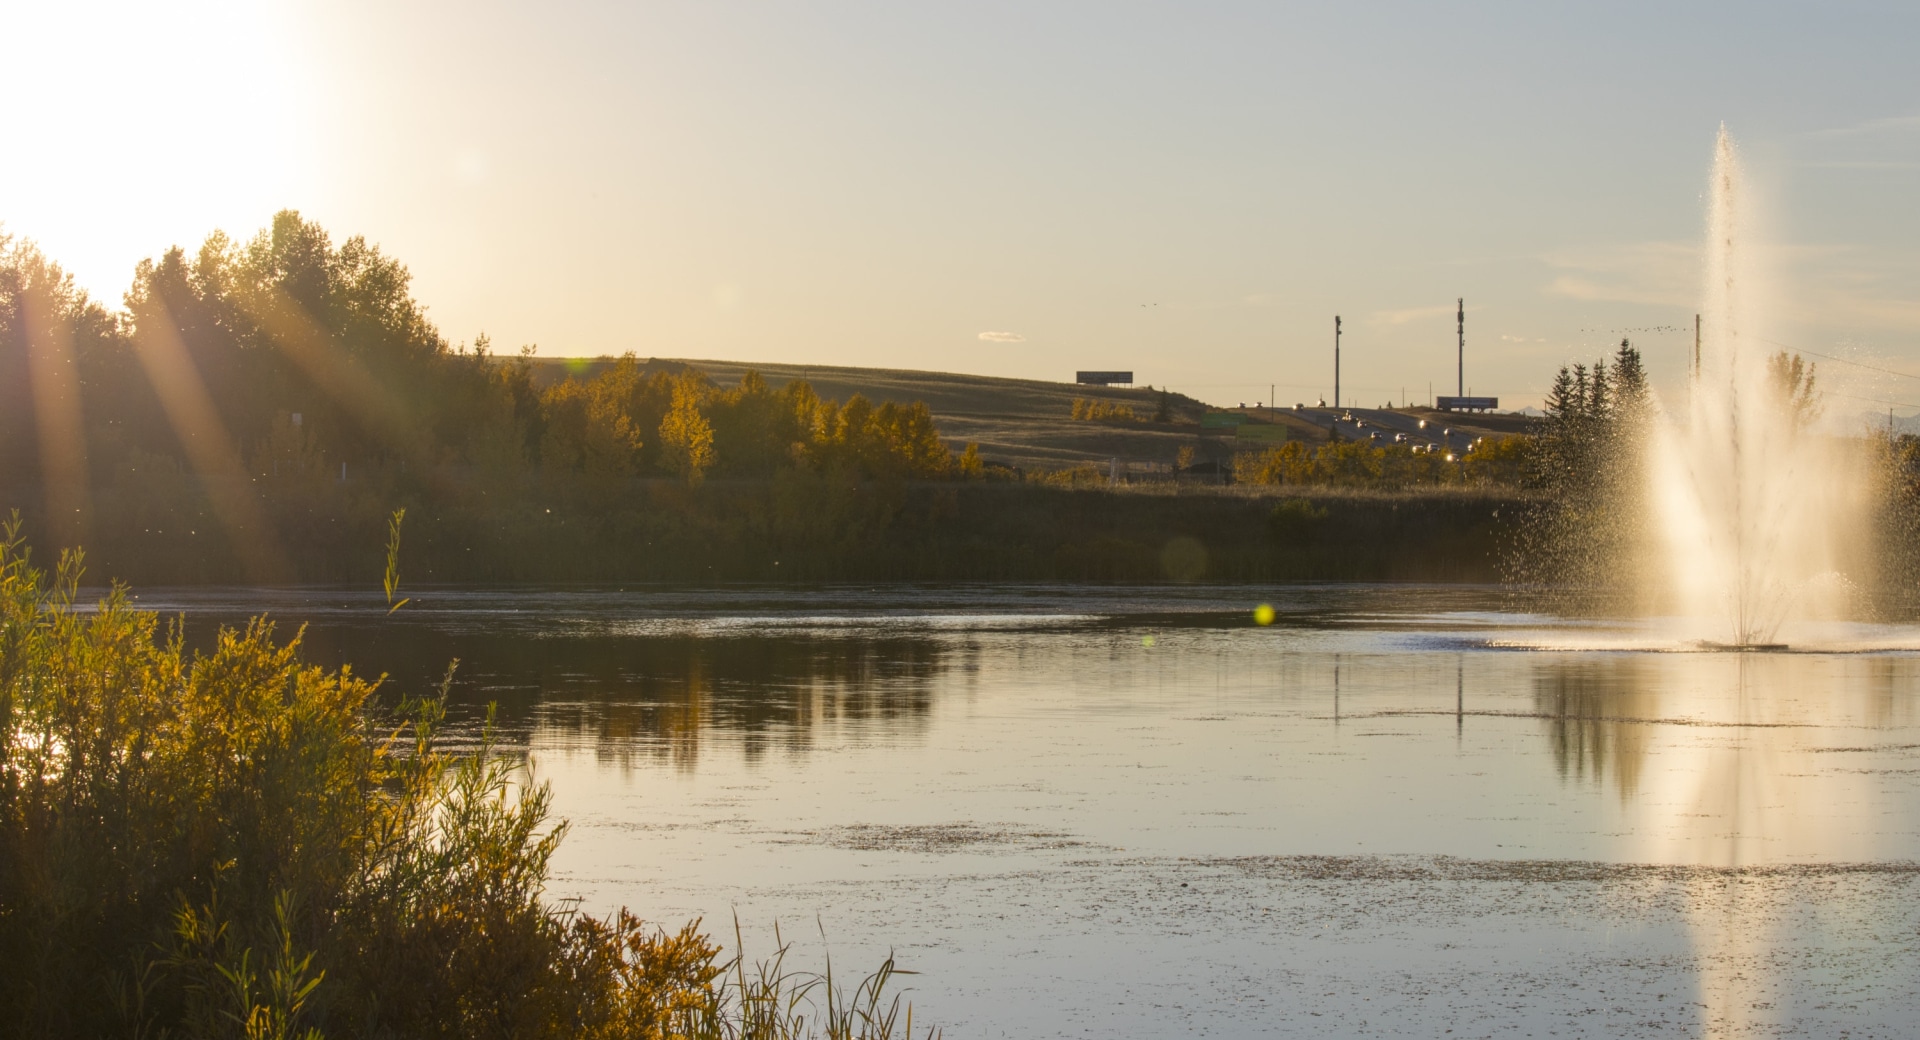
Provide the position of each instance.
(1461, 315)
(1696, 346)
(1336, 361)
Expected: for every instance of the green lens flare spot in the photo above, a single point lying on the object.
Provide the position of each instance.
(1146, 641)
(1263, 615)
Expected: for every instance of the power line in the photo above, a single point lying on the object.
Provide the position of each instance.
(1870, 400)
(1844, 361)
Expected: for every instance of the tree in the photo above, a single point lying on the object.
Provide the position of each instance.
(1790, 378)
(64, 384)
(289, 322)
(1590, 459)
(1594, 415)
(588, 429)
(1630, 390)
(752, 427)
(686, 438)
(970, 466)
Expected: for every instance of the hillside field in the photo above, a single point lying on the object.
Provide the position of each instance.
(1029, 424)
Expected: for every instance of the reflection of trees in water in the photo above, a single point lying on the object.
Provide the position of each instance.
(657, 696)
(663, 698)
(1596, 712)
(1885, 681)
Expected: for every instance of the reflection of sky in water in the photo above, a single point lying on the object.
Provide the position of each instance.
(1012, 787)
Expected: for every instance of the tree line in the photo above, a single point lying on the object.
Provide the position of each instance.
(628, 422)
(1589, 463)
(1492, 461)
(246, 357)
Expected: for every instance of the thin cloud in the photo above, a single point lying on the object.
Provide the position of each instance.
(1869, 306)
(1659, 274)
(1596, 291)
(1407, 314)
(1003, 337)
(1819, 285)
(1889, 125)
(1862, 164)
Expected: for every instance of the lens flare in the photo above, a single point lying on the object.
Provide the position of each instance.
(211, 452)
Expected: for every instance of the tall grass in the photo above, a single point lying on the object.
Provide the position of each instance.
(234, 844)
(808, 527)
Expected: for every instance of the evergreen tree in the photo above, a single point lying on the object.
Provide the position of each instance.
(1590, 459)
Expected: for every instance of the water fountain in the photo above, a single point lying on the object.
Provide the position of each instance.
(1753, 503)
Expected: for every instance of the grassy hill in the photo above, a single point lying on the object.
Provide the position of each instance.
(1019, 422)
(1029, 423)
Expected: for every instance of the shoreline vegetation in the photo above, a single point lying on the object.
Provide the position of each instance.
(258, 409)
(234, 844)
(814, 529)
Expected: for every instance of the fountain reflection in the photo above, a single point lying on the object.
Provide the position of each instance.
(1760, 775)
(1730, 809)
(1732, 760)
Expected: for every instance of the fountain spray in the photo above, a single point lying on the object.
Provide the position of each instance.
(1751, 500)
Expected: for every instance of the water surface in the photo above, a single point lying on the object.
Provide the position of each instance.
(1134, 812)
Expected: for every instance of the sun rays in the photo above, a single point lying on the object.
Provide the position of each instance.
(208, 359)
(210, 450)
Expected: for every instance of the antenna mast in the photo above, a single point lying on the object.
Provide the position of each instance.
(1461, 316)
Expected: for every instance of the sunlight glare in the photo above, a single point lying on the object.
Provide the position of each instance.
(143, 125)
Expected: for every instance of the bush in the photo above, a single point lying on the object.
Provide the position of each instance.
(236, 844)
(1093, 409)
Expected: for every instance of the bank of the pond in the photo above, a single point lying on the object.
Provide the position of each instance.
(806, 529)
(235, 844)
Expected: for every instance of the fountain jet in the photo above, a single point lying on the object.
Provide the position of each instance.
(1749, 498)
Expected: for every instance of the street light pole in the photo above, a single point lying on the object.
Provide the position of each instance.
(1336, 361)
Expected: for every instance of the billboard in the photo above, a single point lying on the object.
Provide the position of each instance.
(1467, 404)
(1103, 378)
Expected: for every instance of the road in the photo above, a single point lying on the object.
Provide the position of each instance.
(1381, 425)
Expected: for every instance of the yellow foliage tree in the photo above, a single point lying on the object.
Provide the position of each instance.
(1093, 409)
(686, 437)
(588, 430)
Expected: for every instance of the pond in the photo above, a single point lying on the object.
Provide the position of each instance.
(1136, 812)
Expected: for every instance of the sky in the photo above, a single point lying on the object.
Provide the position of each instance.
(1190, 191)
